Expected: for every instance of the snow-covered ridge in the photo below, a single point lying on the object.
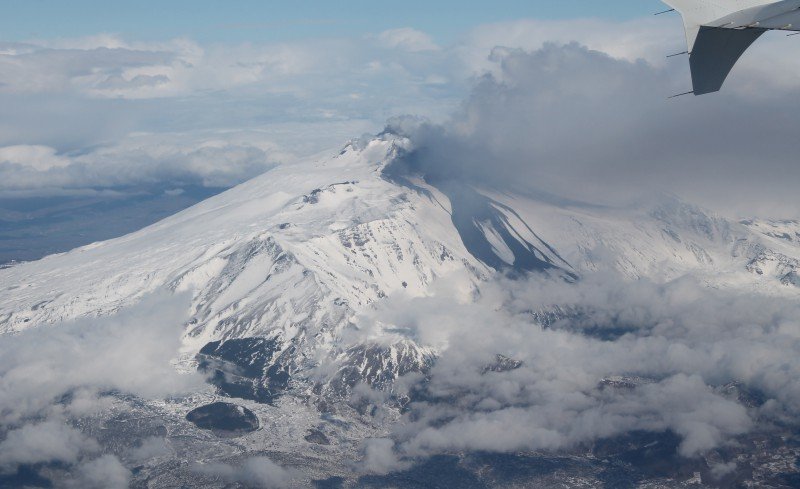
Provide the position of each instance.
(294, 254)
(291, 255)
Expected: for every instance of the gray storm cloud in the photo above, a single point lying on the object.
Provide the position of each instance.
(578, 123)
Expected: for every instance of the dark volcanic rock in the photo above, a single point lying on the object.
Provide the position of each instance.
(224, 417)
(246, 357)
(502, 364)
(622, 382)
(317, 437)
(379, 365)
(245, 368)
(743, 394)
(25, 476)
(330, 483)
(641, 455)
(437, 471)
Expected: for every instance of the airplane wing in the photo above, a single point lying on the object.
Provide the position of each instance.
(716, 50)
(718, 32)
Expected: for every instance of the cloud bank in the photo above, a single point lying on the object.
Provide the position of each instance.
(594, 118)
(51, 376)
(540, 364)
(581, 124)
(591, 360)
(41, 170)
(254, 471)
(587, 121)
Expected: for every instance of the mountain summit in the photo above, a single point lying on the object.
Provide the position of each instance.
(284, 271)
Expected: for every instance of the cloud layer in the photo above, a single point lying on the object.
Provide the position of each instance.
(50, 376)
(582, 124)
(588, 121)
(254, 471)
(35, 169)
(613, 357)
(594, 118)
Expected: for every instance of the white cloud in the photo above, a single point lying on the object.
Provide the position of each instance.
(108, 67)
(408, 39)
(130, 352)
(47, 441)
(722, 469)
(255, 471)
(60, 70)
(676, 343)
(150, 448)
(84, 97)
(136, 161)
(39, 158)
(51, 376)
(105, 472)
(379, 457)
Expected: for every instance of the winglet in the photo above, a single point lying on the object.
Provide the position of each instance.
(715, 53)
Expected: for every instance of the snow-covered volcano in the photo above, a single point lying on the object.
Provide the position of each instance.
(280, 267)
(296, 252)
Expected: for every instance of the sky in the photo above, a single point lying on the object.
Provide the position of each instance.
(286, 78)
(153, 106)
(257, 21)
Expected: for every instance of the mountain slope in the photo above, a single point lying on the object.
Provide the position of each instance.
(290, 277)
(294, 254)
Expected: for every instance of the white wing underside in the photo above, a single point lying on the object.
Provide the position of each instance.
(718, 32)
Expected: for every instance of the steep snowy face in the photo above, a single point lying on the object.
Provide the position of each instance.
(293, 255)
(776, 255)
(315, 228)
(290, 256)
